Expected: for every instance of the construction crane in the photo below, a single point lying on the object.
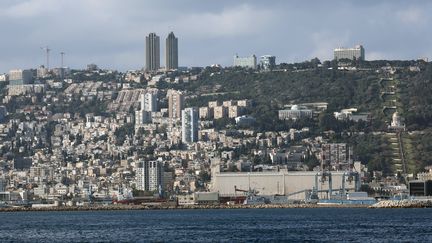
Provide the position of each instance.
(47, 50)
(62, 56)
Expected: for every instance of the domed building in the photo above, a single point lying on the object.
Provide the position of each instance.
(296, 112)
(295, 107)
(396, 123)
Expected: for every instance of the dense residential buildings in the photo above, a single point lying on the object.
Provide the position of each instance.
(190, 125)
(356, 53)
(103, 136)
(152, 52)
(171, 52)
(247, 62)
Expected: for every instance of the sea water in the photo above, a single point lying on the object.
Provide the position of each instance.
(229, 225)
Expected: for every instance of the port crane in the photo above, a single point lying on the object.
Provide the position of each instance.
(47, 51)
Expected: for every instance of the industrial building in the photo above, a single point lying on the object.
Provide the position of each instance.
(294, 184)
(420, 188)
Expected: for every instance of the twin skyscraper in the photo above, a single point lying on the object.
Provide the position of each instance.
(153, 52)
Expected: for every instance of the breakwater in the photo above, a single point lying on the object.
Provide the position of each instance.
(171, 207)
(403, 204)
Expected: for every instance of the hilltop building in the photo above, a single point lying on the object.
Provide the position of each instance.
(246, 62)
(267, 62)
(357, 53)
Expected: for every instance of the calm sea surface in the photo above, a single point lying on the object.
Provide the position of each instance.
(236, 225)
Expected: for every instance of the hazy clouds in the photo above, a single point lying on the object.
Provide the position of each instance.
(111, 33)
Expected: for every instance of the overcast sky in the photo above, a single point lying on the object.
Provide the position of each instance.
(111, 33)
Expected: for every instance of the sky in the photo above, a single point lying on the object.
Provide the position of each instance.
(111, 33)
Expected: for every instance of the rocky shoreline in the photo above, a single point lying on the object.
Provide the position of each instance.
(171, 207)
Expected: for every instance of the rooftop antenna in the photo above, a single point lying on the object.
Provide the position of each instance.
(47, 50)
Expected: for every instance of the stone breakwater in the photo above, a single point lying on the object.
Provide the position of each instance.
(162, 207)
(403, 204)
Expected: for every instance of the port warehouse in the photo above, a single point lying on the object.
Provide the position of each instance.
(420, 188)
(292, 184)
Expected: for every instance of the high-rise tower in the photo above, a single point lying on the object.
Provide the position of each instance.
(152, 52)
(171, 52)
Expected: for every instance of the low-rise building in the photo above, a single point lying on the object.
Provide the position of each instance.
(220, 112)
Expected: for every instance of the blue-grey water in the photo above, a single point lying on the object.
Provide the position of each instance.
(232, 225)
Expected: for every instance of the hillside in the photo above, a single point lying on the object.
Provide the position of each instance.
(270, 91)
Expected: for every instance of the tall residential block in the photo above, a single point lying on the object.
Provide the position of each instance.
(175, 103)
(2, 184)
(333, 155)
(142, 117)
(190, 125)
(149, 175)
(358, 53)
(148, 104)
(152, 52)
(148, 100)
(19, 76)
(171, 52)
